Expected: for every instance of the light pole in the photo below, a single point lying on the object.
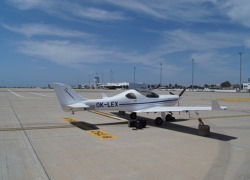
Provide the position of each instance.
(240, 53)
(161, 75)
(192, 74)
(111, 75)
(134, 75)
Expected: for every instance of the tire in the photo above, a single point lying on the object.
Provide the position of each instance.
(172, 118)
(168, 117)
(158, 121)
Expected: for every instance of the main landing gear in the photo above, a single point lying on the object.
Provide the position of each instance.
(203, 130)
(168, 117)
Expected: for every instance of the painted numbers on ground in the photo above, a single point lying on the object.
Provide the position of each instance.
(101, 134)
(69, 119)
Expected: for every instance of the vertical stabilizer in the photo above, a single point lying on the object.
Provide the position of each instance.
(66, 95)
(215, 105)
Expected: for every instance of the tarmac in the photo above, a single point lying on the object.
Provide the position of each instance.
(40, 141)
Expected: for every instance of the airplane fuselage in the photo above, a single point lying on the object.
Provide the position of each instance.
(122, 103)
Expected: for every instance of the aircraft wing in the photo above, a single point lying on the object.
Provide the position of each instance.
(174, 109)
(215, 106)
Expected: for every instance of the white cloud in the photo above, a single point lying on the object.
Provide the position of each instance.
(97, 14)
(68, 9)
(237, 11)
(182, 10)
(76, 55)
(180, 40)
(214, 66)
(64, 52)
(30, 4)
(30, 30)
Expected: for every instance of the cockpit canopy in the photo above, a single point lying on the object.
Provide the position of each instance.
(148, 94)
(131, 96)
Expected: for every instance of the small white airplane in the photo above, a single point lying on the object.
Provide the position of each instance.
(131, 101)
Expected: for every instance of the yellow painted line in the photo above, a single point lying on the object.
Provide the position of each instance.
(34, 128)
(235, 99)
(107, 115)
(82, 125)
(91, 129)
(101, 134)
(69, 120)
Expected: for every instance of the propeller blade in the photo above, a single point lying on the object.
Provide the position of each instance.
(171, 93)
(182, 92)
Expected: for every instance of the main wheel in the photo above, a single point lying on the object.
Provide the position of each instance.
(133, 115)
(168, 117)
(158, 121)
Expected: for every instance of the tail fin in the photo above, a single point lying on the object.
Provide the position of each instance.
(66, 95)
(216, 106)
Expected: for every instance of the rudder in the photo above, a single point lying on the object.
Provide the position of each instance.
(66, 95)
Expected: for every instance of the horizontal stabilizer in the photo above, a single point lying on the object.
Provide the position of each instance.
(104, 95)
(216, 106)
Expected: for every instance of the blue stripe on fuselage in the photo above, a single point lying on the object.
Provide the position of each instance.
(169, 100)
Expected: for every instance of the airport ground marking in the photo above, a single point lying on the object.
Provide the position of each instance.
(15, 94)
(40, 94)
(96, 133)
(101, 134)
(34, 128)
(82, 125)
(222, 117)
(107, 115)
(69, 119)
(235, 99)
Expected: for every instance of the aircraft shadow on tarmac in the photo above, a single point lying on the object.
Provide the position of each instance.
(87, 126)
(174, 126)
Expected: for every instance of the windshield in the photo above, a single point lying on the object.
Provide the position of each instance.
(149, 94)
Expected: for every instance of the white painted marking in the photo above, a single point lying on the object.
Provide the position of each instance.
(40, 94)
(15, 94)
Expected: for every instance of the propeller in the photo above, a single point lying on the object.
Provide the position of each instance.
(182, 92)
(171, 93)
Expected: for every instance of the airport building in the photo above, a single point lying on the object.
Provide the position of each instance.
(246, 87)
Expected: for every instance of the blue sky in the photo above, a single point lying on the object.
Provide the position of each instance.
(44, 41)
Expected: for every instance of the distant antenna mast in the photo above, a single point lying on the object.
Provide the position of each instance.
(134, 74)
(240, 53)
